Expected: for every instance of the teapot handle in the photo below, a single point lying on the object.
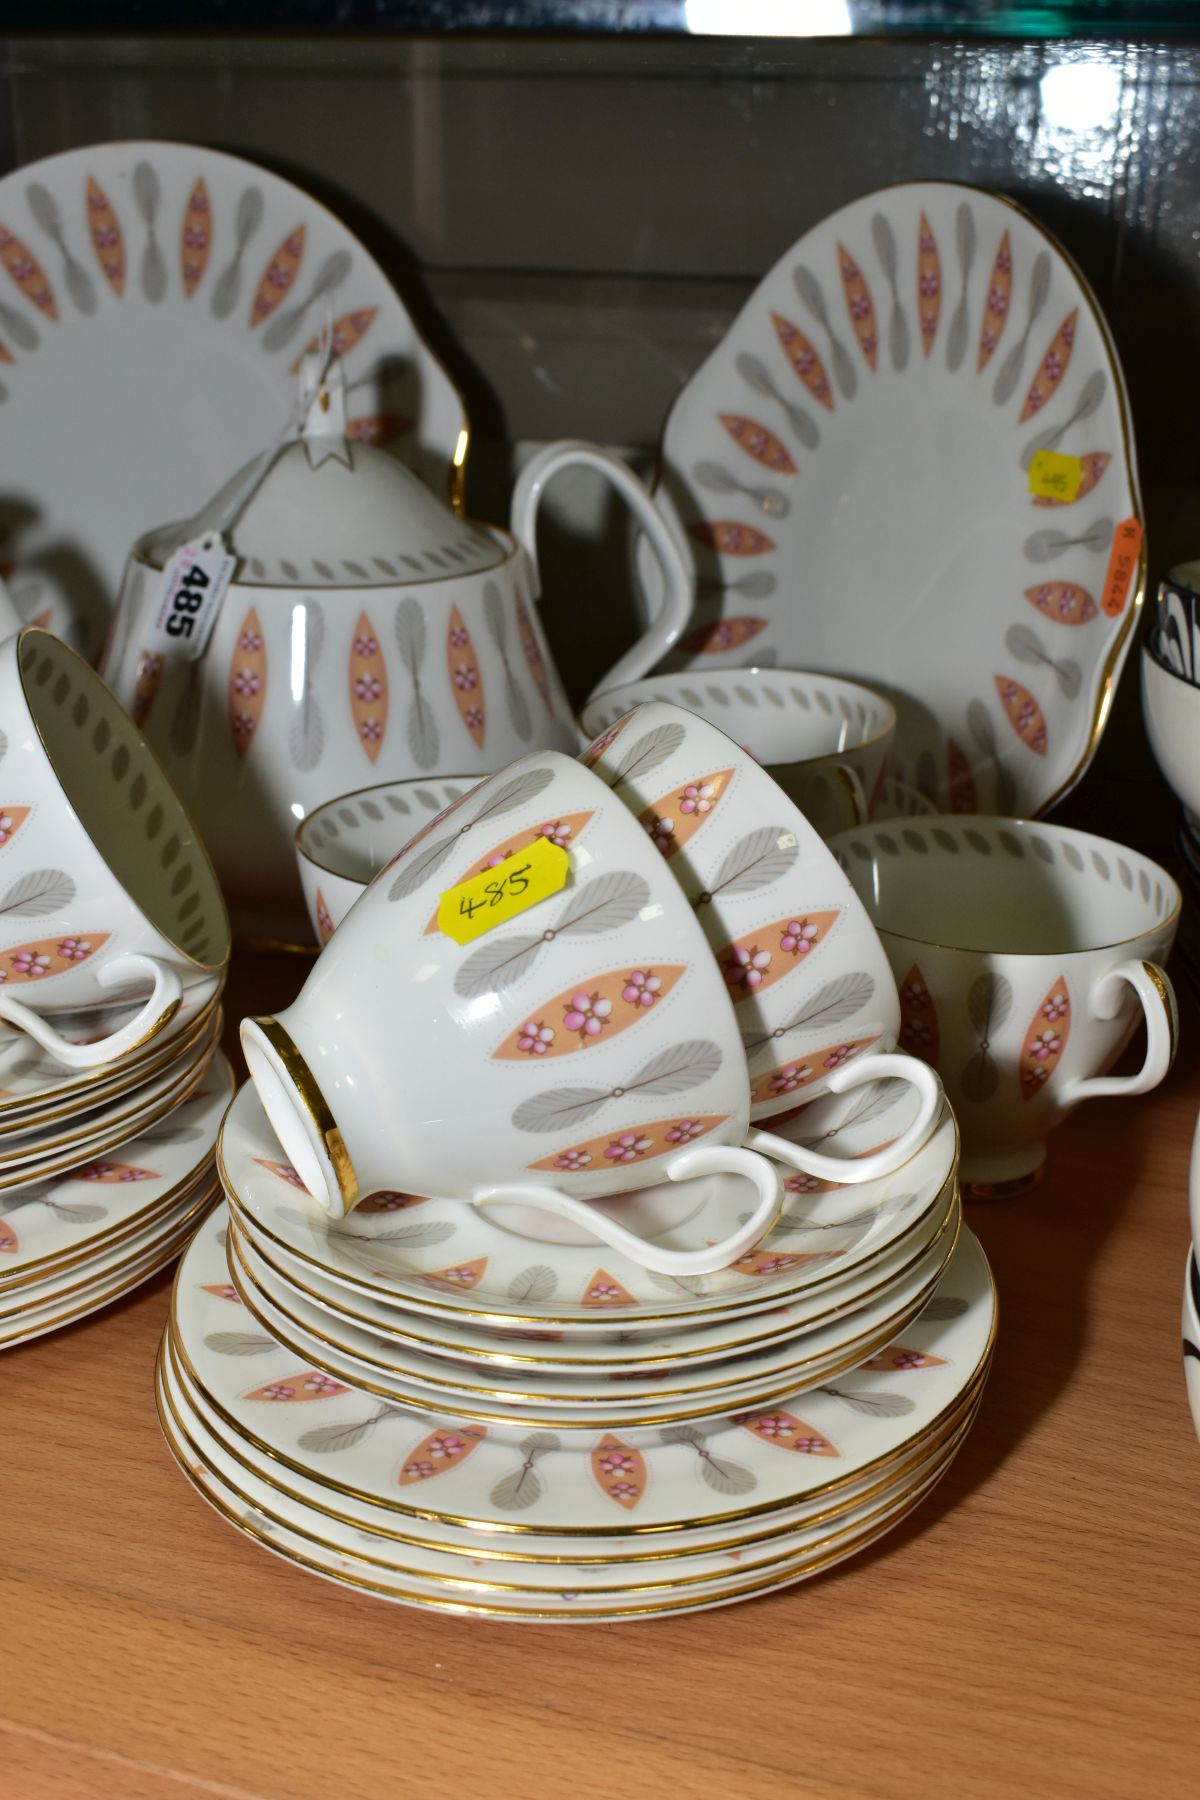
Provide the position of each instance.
(676, 609)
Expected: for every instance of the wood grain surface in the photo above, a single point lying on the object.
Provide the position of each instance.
(1033, 1630)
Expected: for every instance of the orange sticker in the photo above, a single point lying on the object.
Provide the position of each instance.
(1122, 564)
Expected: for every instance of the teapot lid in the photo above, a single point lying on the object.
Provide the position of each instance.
(332, 512)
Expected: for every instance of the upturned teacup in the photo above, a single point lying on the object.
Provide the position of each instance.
(824, 740)
(106, 892)
(1025, 955)
(584, 1048)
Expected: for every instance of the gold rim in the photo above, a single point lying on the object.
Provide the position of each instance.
(60, 647)
(713, 1353)
(211, 1191)
(429, 1305)
(152, 1066)
(86, 1078)
(308, 1093)
(801, 1568)
(856, 1351)
(928, 1474)
(114, 1136)
(117, 1234)
(353, 794)
(892, 1469)
(439, 1516)
(1158, 981)
(82, 1132)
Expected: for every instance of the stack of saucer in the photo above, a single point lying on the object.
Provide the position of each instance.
(439, 1405)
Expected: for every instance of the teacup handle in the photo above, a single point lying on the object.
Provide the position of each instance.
(701, 1159)
(676, 609)
(851, 1170)
(160, 1007)
(1153, 988)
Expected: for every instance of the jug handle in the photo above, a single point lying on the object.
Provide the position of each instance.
(675, 612)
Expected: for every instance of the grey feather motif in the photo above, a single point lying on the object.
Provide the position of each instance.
(409, 628)
(964, 231)
(809, 290)
(306, 737)
(646, 753)
(493, 612)
(77, 1215)
(1010, 370)
(675, 1070)
(885, 249)
(679, 1284)
(239, 1343)
(872, 1405)
(592, 907)
(185, 721)
(989, 1002)
(515, 1492)
(755, 861)
(328, 1438)
(497, 799)
(537, 1283)
(419, 865)
(943, 1306)
(436, 1232)
(832, 1004)
(718, 1472)
(1027, 647)
(3, 746)
(37, 894)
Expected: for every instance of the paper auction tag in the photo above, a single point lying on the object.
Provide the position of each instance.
(477, 905)
(1055, 477)
(193, 588)
(1122, 565)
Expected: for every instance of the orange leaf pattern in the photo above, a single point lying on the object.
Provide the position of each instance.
(1063, 601)
(726, 634)
(804, 360)
(752, 963)
(758, 442)
(460, 1275)
(377, 428)
(440, 1450)
(787, 1432)
(599, 746)
(679, 815)
(9, 1241)
(960, 782)
(1094, 464)
(591, 1012)
(284, 1171)
(1024, 714)
(11, 820)
(860, 306)
(48, 956)
(729, 538)
(605, 1290)
(1052, 367)
(195, 238)
(221, 1290)
(929, 283)
(995, 312)
(111, 1172)
(309, 1384)
(617, 1149)
(345, 333)
(466, 682)
(761, 1263)
(900, 1358)
(324, 919)
(247, 682)
(918, 1017)
(104, 228)
(387, 1201)
(27, 272)
(532, 650)
(277, 277)
(620, 1471)
(368, 688)
(1045, 1040)
(564, 832)
(788, 1077)
(150, 666)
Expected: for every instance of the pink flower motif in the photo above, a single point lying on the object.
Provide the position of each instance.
(837, 1057)
(909, 1359)
(1052, 367)
(988, 341)
(459, 636)
(662, 833)
(29, 962)
(572, 1160)
(1004, 261)
(997, 302)
(722, 637)
(387, 1201)
(860, 306)
(94, 1171)
(464, 1277)
(810, 1446)
(556, 833)
(474, 718)
(228, 1292)
(789, 1078)
(446, 1444)
(279, 1390)
(603, 1290)
(324, 921)
(699, 797)
(587, 1014)
(321, 1384)
(250, 640)
(535, 1038)
(598, 746)
(1044, 1045)
(747, 968)
(869, 343)
(74, 949)
(624, 1490)
(915, 1034)
(466, 678)
(849, 269)
(371, 730)
(801, 1184)
(642, 988)
(246, 681)
(930, 285)
(365, 646)
(775, 1265)
(368, 687)
(912, 995)
(628, 1147)
(1056, 1007)
(799, 936)
(684, 1131)
(6, 827)
(615, 1462)
(418, 1471)
(774, 1425)
(195, 237)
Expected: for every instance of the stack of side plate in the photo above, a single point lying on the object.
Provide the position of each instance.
(451, 1410)
(104, 1173)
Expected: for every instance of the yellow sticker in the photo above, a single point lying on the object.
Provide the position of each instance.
(1055, 477)
(500, 893)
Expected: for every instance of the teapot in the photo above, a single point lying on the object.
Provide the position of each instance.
(369, 634)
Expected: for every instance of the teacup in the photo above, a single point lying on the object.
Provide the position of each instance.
(1025, 954)
(105, 887)
(801, 961)
(1176, 633)
(824, 740)
(584, 1048)
(1171, 710)
(342, 845)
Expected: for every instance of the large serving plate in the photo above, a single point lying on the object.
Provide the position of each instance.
(850, 468)
(154, 299)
